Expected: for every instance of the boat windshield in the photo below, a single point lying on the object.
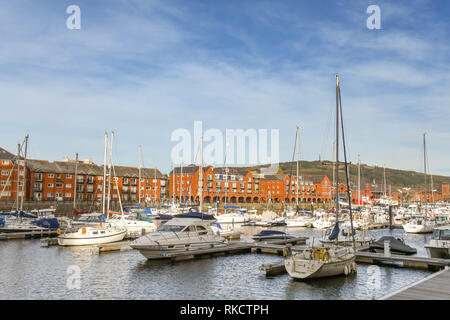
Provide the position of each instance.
(441, 234)
(171, 228)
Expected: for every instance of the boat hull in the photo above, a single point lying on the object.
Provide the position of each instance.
(318, 269)
(440, 253)
(165, 252)
(68, 240)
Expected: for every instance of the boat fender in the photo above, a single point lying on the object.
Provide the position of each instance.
(354, 267)
(326, 256)
(58, 231)
(83, 231)
(346, 271)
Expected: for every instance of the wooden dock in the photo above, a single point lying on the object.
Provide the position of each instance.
(433, 287)
(28, 235)
(413, 262)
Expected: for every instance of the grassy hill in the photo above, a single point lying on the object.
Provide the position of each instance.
(395, 177)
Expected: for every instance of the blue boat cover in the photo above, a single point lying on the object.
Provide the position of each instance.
(270, 233)
(49, 223)
(335, 232)
(194, 214)
(2, 222)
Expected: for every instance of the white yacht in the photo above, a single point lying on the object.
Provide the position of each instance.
(185, 232)
(92, 235)
(236, 216)
(439, 245)
(300, 221)
(419, 225)
(132, 225)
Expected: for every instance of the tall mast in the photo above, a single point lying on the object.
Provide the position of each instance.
(425, 171)
(104, 174)
(115, 178)
(24, 173)
(75, 184)
(337, 148)
(108, 203)
(297, 156)
(359, 180)
(200, 189)
(18, 180)
(384, 182)
(140, 168)
(181, 181)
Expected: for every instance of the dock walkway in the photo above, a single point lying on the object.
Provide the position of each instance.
(433, 287)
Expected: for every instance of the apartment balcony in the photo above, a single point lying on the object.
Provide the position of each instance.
(90, 181)
(37, 189)
(39, 178)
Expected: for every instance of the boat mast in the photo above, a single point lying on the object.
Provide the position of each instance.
(18, 181)
(24, 173)
(75, 184)
(109, 176)
(359, 180)
(140, 168)
(384, 182)
(425, 172)
(297, 156)
(181, 181)
(104, 174)
(114, 172)
(337, 150)
(200, 189)
(346, 174)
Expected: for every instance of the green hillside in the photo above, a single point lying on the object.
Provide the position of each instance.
(369, 174)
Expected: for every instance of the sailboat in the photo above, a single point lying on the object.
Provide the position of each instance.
(421, 224)
(99, 234)
(333, 259)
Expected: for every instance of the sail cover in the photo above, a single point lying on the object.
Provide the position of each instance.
(335, 232)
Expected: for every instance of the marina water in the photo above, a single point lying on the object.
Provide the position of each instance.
(30, 271)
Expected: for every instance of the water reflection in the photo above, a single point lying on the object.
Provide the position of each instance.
(30, 271)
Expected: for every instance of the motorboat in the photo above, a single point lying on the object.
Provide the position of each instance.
(319, 262)
(419, 225)
(322, 223)
(227, 231)
(271, 235)
(92, 235)
(189, 231)
(43, 224)
(439, 245)
(133, 225)
(236, 216)
(397, 246)
(299, 221)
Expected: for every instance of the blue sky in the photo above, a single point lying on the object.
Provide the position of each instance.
(146, 68)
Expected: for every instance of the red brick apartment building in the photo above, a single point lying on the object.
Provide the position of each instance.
(233, 186)
(55, 181)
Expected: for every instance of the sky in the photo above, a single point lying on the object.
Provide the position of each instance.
(147, 68)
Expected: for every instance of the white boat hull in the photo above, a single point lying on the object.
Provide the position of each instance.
(318, 269)
(74, 239)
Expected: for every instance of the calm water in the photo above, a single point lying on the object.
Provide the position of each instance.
(29, 271)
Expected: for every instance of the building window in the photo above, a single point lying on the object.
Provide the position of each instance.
(5, 173)
(68, 185)
(68, 176)
(50, 175)
(50, 185)
(49, 195)
(59, 185)
(5, 162)
(68, 195)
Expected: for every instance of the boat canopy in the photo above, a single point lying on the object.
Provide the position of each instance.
(195, 214)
